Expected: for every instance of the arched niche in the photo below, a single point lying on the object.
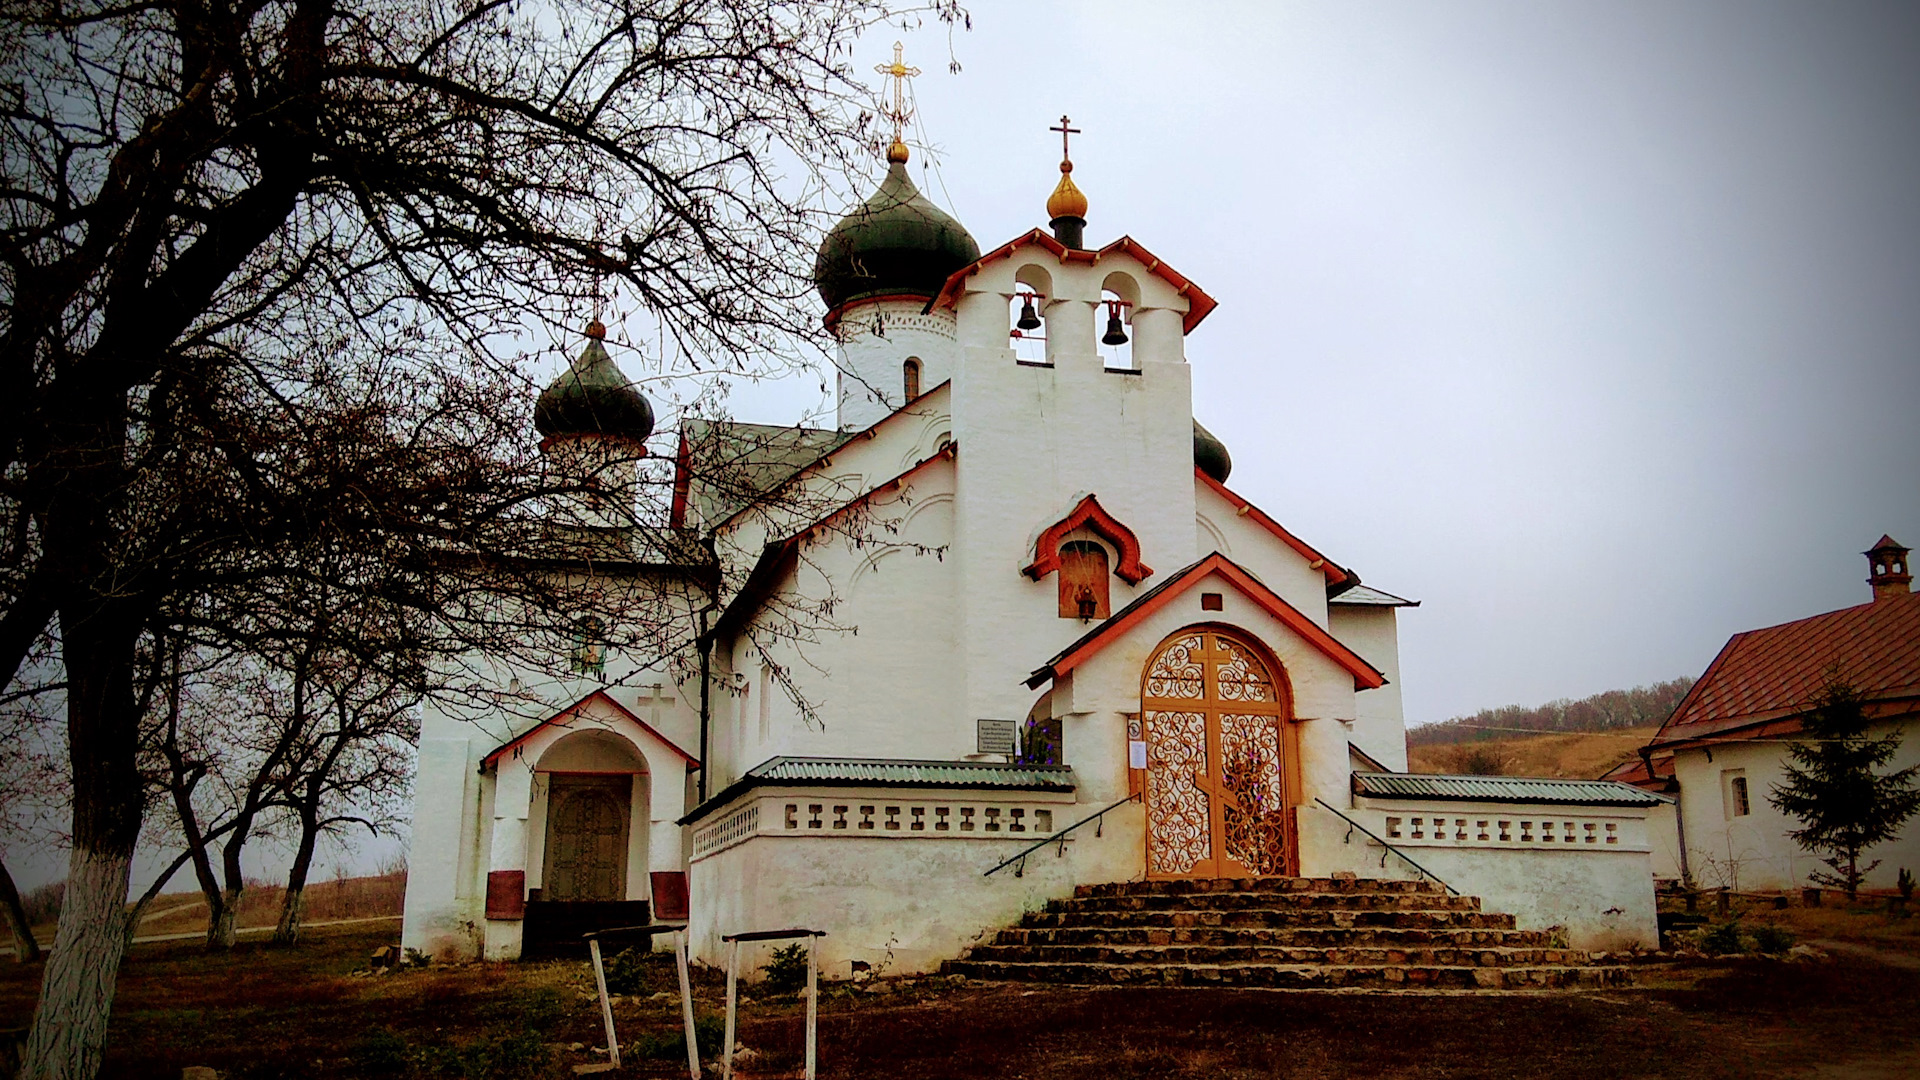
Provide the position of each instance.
(589, 828)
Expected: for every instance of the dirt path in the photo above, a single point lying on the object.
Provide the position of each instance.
(1904, 961)
(149, 939)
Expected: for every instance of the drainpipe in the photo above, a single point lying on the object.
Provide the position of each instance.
(1679, 819)
(706, 700)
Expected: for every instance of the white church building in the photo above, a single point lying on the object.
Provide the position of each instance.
(1021, 596)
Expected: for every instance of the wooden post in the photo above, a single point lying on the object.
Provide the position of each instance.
(1723, 904)
(606, 1005)
(813, 1006)
(726, 1052)
(686, 1002)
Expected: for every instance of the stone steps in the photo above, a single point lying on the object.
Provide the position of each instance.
(1293, 901)
(1322, 937)
(1296, 976)
(1272, 954)
(1274, 917)
(1300, 933)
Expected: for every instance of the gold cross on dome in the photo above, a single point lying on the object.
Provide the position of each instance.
(900, 73)
(1065, 129)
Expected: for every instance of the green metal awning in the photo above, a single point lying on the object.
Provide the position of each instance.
(1507, 789)
(889, 772)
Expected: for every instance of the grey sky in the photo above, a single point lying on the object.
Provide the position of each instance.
(1595, 327)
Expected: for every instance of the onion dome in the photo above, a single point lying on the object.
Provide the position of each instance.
(1210, 454)
(1067, 200)
(593, 397)
(896, 243)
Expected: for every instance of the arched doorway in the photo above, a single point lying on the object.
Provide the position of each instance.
(1222, 765)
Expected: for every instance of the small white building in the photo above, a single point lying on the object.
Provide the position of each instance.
(1725, 748)
(1008, 592)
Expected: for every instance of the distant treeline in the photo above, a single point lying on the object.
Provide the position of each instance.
(1642, 706)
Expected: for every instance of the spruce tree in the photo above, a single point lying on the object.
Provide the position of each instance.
(1835, 789)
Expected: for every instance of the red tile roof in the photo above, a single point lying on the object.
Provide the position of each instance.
(1775, 673)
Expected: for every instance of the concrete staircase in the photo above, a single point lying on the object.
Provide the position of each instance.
(1305, 933)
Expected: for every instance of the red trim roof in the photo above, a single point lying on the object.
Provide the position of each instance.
(1335, 575)
(1365, 675)
(1199, 304)
(1046, 553)
(574, 708)
(1776, 673)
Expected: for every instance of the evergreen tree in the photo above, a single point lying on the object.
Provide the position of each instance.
(1845, 805)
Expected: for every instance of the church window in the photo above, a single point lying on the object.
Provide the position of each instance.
(1083, 580)
(589, 654)
(1735, 791)
(910, 377)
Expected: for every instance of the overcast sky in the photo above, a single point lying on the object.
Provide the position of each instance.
(1608, 315)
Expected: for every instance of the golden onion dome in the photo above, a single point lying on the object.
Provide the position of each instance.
(1067, 201)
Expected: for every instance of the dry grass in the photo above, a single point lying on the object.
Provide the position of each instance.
(261, 1012)
(1578, 754)
(348, 898)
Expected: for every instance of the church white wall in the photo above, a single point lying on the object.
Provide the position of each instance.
(876, 340)
(1599, 894)
(443, 913)
(1378, 726)
(1754, 851)
(1278, 566)
(899, 901)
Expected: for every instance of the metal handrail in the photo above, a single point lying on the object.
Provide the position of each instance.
(1021, 856)
(1352, 825)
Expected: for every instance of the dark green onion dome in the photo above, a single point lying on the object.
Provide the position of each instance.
(895, 243)
(1210, 454)
(593, 397)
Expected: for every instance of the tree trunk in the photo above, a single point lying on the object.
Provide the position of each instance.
(222, 927)
(25, 949)
(293, 904)
(69, 1035)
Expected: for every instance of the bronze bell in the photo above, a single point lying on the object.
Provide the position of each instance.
(1029, 318)
(1116, 334)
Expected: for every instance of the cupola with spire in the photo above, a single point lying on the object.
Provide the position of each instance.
(897, 243)
(1067, 206)
(593, 397)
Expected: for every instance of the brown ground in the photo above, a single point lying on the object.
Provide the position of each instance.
(263, 1012)
(1582, 754)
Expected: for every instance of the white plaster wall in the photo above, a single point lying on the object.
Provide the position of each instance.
(1378, 726)
(1663, 841)
(1602, 895)
(870, 382)
(1755, 852)
(1278, 566)
(901, 903)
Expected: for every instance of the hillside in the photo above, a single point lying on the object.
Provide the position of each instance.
(1581, 754)
(1612, 710)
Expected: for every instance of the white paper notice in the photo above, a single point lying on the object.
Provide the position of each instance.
(1136, 754)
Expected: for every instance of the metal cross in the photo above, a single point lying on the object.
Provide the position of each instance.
(1065, 131)
(900, 73)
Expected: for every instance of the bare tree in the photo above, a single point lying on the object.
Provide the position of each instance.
(222, 224)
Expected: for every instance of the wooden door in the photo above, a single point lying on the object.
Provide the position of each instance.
(587, 822)
(1221, 768)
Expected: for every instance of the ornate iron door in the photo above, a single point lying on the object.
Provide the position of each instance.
(1217, 776)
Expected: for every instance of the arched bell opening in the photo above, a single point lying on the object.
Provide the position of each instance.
(591, 793)
(1222, 762)
(1027, 314)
